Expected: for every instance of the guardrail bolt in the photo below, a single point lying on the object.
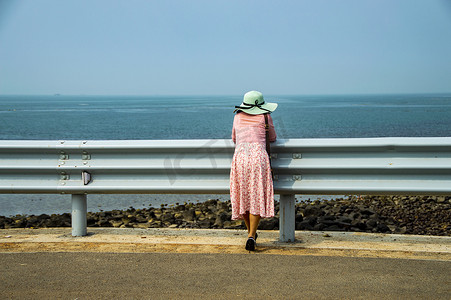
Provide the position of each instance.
(64, 155)
(85, 155)
(297, 155)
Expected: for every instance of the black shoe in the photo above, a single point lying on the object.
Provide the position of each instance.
(256, 236)
(250, 244)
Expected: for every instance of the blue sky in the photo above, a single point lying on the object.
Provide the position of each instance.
(224, 47)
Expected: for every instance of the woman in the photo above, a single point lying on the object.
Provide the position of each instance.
(251, 186)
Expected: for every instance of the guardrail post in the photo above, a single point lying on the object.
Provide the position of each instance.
(79, 211)
(286, 218)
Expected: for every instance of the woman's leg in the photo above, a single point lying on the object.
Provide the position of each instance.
(247, 221)
(253, 224)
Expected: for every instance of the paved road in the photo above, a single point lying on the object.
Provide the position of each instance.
(223, 276)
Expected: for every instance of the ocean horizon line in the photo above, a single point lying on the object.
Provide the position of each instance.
(232, 95)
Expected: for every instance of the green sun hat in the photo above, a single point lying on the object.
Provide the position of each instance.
(254, 104)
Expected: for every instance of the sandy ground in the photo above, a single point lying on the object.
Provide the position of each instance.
(162, 240)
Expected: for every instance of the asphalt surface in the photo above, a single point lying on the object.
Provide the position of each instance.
(218, 276)
(206, 264)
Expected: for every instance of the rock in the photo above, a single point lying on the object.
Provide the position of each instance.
(103, 223)
(180, 207)
(32, 221)
(268, 224)
(412, 215)
(355, 229)
(328, 223)
(204, 223)
(210, 216)
(141, 219)
(91, 220)
(167, 217)
(227, 225)
(319, 227)
(117, 216)
(310, 220)
(19, 223)
(126, 221)
(441, 199)
(222, 206)
(344, 219)
(371, 223)
(392, 228)
(220, 219)
(304, 225)
(367, 211)
(178, 215)
(381, 227)
(115, 223)
(238, 224)
(332, 228)
(142, 225)
(189, 215)
(155, 224)
(218, 223)
(361, 225)
(311, 210)
(401, 230)
(211, 202)
(343, 225)
(335, 210)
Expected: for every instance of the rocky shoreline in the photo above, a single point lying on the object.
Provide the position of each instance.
(423, 215)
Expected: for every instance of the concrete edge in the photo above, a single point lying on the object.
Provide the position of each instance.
(164, 240)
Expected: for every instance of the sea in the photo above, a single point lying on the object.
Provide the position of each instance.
(82, 117)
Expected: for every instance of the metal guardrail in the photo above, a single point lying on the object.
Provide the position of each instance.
(410, 166)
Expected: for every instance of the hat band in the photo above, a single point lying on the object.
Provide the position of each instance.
(249, 106)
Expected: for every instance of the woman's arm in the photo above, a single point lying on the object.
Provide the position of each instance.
(272, 130)
(233, 132)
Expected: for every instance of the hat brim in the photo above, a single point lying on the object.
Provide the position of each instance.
(257, 111)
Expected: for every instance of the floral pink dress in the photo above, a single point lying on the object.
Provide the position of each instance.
(251, 186)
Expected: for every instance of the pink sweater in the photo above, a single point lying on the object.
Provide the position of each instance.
(251, 129)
